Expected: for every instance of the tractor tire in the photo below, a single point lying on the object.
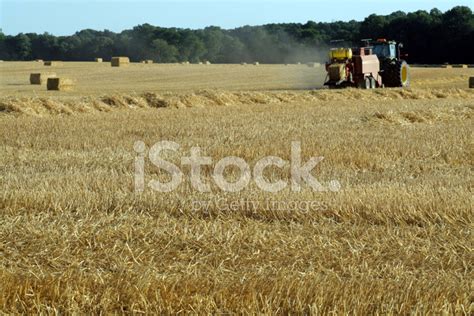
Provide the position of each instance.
(396, 74)
(373, 83)
(364, 84)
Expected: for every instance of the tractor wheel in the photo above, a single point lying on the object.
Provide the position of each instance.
(364, 83)
(397, 74)
(373, 83)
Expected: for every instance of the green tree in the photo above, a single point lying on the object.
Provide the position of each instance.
(165, 52)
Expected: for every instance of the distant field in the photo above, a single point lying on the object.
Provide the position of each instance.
(76, 238)
(101, 78)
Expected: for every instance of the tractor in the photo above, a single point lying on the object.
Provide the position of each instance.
(368, 67)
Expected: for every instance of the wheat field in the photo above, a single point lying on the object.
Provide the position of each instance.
(76, 238)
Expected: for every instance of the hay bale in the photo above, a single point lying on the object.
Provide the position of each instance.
(98, 60)
(256, 63)
(200, 63)
(149, 61)
(39, 60)
(207, 62)
(447, 66)
(1, 61)
(60, 84)
(471, 82)
(243, 64)
(39, 78)
(53, 63)
(119, 61)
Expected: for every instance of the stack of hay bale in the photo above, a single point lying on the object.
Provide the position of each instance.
(119, 61)
(60, 84)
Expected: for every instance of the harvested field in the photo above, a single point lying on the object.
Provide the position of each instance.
(76, 238)
(176, 78)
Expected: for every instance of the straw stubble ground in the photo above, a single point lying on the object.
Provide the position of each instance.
(397, 237)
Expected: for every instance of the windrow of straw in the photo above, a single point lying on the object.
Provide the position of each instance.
(210, 98)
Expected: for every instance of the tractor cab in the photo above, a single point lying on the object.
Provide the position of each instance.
(386, 50)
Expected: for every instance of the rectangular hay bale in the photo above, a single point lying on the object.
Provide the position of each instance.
(52, 63)
(39, 78)
(98, 60)
(60, 84)
(119, 61)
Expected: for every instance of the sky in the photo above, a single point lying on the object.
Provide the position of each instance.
(65, 17)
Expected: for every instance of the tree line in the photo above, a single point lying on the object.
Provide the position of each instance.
(428, 37)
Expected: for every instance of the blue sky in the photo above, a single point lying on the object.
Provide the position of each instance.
(64, 17)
